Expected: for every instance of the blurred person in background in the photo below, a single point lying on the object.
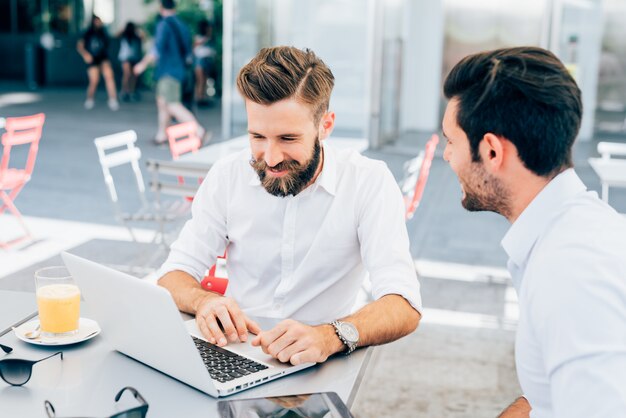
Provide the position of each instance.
(129, 55)
(93, 46)
(204, 60)
(172, 53)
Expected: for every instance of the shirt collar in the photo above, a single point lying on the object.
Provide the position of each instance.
(327, 179)
(522, 235)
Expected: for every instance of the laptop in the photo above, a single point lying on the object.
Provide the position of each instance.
(141, 320)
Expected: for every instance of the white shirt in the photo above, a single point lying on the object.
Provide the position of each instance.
(568, 262)
(305, 256)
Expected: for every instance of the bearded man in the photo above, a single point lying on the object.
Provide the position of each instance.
(304, 224)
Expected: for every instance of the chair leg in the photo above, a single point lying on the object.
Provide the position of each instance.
(11, 197)
(8, 203)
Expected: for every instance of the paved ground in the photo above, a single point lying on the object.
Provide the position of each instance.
(458, 364)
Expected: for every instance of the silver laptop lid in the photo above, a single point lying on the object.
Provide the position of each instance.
(140, 320)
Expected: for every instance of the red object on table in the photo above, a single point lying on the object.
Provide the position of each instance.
(213, 283)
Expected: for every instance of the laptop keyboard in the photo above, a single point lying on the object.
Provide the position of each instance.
(224, 365)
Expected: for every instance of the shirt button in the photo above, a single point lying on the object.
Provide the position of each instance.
(277, 306)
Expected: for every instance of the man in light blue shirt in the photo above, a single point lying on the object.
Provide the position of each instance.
(511, 122)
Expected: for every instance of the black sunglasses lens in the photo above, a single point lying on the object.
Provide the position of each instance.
(15, 372)
(134, 413)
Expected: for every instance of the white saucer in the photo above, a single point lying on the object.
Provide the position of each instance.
(87, 329)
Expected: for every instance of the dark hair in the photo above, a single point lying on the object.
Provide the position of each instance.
(130, 31)
(92, 25)
(203, 26)
(523, 94)
(283, 72)
(168, 4)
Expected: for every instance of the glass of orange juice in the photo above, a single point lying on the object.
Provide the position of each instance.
(58, 300)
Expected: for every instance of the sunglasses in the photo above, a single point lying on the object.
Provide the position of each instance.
(17, 372)
(136, 412)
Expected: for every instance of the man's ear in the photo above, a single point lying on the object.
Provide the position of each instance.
(327, 124)
(491, 150)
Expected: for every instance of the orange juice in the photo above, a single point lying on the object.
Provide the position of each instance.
(59, 308)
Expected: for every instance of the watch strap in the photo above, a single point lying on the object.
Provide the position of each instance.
(351, 346)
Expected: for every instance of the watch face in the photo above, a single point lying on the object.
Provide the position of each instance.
(349, 332)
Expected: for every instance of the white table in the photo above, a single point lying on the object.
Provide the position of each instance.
(86, 381)
(211, 153)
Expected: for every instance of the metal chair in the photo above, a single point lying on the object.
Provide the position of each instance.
(216, 279)
(24, 130)
(162, 183)
(416, 176)
(183, 138)
(117, 150)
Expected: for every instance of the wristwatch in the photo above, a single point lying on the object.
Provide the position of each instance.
(348, 334)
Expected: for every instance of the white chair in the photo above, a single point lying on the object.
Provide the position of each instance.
(610, 167)
(117, 150)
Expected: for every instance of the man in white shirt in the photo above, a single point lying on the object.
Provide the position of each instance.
(303, 222)
(511, 122)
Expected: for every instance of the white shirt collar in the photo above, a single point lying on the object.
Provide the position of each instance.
(521, 237)
(327, 179)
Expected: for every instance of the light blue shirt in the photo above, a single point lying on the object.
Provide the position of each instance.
(567, 258)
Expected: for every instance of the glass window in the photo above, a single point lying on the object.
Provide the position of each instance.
(473, 26)
(315, 24)
(5, 15)
(28, 16)
(611, 108)
(61, 15)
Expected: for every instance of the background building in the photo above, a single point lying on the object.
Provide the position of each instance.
(389, 56)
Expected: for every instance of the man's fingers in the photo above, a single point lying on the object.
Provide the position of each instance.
(268, 337)
(300, 358)
(223, 314)
(215, 330)
(239, 319)
(252, 326)
(307, 356)
(204, 329)
(283, 347)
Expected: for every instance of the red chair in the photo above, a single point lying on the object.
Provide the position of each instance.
(413, 195)
(215, 283)
(19, 131)
(183, 138)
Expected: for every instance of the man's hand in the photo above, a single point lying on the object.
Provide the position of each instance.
(518, 409)
(234, 322)
(293, 342)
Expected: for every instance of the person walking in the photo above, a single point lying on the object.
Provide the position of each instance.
(93, 47)
(172, 54)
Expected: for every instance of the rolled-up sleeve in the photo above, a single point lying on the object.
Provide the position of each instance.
(383, 238)
(204, 236)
